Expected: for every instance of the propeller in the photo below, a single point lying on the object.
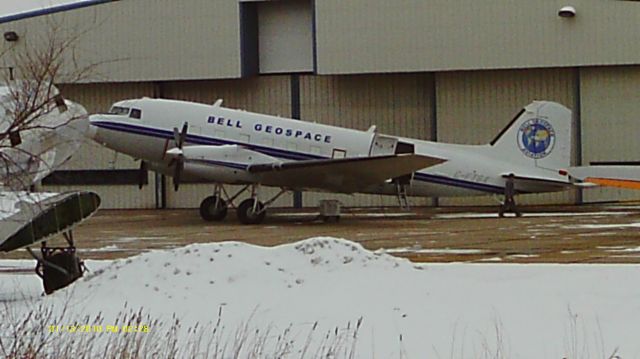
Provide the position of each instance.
(178, 157)
(142, 174)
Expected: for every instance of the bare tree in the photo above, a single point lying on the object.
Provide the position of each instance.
(32, 108)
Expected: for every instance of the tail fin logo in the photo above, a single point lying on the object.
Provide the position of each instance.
(536, 138)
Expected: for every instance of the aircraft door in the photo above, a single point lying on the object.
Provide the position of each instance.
(383, 145)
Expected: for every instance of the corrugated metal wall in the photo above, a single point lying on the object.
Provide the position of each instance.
(116, 197)
(610, 121)
(359, 36)
(472, 108)
(398, 104)
(151, 40)
(97, 98)
(264, 94)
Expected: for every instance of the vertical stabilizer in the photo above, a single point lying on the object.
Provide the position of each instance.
(540, 136)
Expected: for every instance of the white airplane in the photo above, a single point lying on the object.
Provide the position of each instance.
(39, 131)
(227, 146)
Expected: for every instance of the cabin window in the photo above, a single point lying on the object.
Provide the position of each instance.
(135, 113)
(338, 153)
(117, 110)
(315, 150)
(244, 138)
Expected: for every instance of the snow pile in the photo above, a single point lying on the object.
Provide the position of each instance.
(322, 283)
(234, 275)
(327, 285)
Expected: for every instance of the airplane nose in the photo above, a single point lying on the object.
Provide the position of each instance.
(92, 133)
(93, 129)
(78, 116)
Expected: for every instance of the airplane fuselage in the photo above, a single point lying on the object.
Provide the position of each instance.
(469, 169)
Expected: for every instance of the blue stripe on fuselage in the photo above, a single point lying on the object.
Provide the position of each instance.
(457, 183)
(203, 140)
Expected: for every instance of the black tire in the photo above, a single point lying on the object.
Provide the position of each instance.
(246, 215)
(213, 208)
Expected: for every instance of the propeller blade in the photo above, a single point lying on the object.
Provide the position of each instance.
(183, 134)
(176, 153)
(180, 137)
(176, 137)
(142, 175)
(177, 173)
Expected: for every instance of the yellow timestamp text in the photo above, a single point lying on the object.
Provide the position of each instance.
(99, 329)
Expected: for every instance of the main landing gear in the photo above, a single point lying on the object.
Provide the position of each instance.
(250, 211)
(58, 266)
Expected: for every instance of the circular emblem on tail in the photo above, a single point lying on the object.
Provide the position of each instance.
(536, 138)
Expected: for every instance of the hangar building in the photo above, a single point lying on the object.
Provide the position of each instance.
(445, 70)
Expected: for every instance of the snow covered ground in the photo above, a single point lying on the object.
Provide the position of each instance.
(322, 287)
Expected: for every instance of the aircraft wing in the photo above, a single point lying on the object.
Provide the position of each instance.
(29, 218)
(346, 175)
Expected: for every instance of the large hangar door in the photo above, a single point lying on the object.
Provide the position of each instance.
(285, 36)
(609, 122)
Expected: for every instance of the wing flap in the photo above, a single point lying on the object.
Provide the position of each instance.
(346, 175)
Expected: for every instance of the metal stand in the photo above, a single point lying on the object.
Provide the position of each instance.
(401, 184)
(58, 266)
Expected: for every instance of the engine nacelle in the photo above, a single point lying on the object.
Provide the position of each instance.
(228, 163)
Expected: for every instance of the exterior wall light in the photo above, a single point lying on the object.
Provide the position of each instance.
(11, 36)
(567, 11)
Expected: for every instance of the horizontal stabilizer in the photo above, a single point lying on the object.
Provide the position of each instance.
(346, 175)
(610, 176)
(541, 184)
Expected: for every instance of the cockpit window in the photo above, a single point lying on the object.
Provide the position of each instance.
(135, 113)
(117, 110)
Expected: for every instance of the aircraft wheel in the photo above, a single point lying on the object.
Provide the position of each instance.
(246, 214)
(213, 208)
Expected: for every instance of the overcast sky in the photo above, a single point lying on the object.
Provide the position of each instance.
(8, 7)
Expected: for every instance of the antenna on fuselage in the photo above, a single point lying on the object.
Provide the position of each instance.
(218, 103)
